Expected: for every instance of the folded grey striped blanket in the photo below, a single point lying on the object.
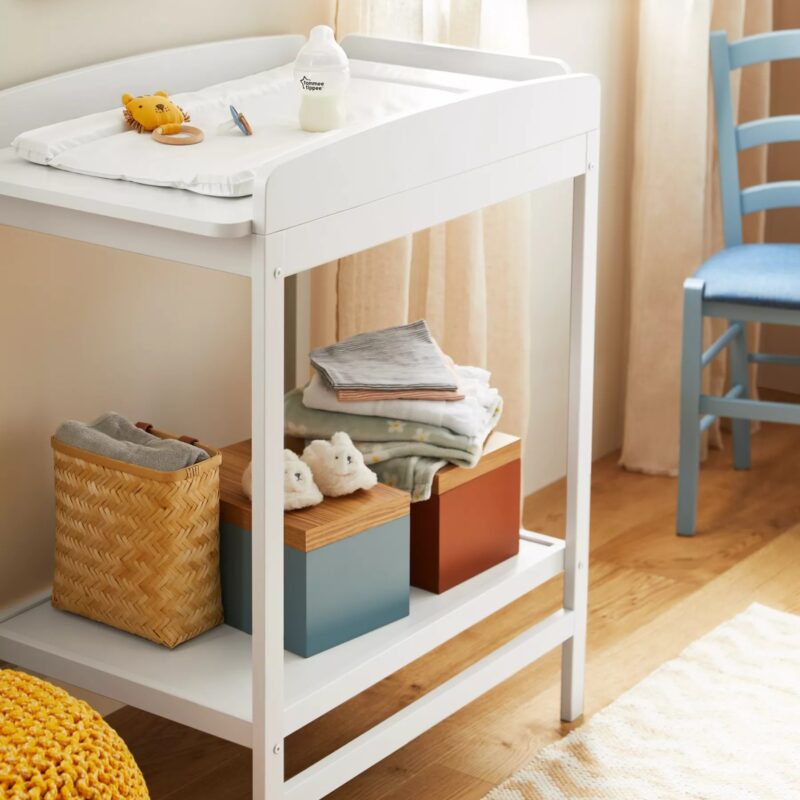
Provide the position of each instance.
(403, 357)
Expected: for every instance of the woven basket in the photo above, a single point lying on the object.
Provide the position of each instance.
(137, 548)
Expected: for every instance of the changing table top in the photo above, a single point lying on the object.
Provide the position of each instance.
(226, 162)
(480, 108)
(409, 89)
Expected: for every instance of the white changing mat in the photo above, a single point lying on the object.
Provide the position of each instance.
(224, 164)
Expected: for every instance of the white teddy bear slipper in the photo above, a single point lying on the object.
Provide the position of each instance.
(338, 466)
(299, 489)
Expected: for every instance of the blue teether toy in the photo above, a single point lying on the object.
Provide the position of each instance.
(241, 122)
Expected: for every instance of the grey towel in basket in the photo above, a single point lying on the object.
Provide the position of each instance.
(404, 357)
(113, 436)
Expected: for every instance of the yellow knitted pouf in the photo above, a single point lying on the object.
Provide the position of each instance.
(54, 747)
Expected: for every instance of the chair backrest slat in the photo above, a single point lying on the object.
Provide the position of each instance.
(771, 130)
(726, 139)
(774, 46)
(731, 138)
(766, 196)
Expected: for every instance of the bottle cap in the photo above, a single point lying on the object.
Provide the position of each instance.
(321, 53)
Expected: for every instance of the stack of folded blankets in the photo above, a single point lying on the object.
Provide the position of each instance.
(404, 403)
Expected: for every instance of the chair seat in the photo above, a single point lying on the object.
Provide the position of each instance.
(754, 274)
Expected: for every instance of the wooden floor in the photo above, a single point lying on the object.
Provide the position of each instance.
(651, 595)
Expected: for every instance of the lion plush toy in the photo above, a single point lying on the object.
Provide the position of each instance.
(338, 466)
(150, 111)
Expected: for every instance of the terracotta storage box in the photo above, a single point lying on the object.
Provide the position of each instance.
(471, 521)
(346, 561)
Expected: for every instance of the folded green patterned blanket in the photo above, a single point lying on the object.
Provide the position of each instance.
(404, 454)
(412, 474)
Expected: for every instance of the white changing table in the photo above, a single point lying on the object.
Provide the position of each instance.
(400, 176)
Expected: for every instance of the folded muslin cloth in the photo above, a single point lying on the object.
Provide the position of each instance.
(354, 395)
(403, 454)
(468, 417)
(404, 357)
(381, 439)
(113, 436)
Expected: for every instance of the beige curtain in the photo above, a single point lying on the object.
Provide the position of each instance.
(676, 217)
(469, 277)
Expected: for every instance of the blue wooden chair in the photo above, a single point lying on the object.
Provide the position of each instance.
(742, 283)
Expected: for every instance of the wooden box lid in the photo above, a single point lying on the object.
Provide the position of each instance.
(307, 529)
(499, 449)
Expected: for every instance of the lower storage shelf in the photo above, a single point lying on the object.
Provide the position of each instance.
(206, 682)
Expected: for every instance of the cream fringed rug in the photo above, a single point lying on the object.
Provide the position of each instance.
(720, 722)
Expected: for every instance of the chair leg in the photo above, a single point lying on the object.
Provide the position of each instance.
(740, 375)
(691, 374)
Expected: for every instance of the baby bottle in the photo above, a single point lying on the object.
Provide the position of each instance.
(321, 71)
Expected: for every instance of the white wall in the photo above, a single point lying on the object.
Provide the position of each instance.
(43, 37)
(86, 329)
(595, 36)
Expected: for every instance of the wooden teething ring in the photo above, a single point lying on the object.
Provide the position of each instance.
(187, 134)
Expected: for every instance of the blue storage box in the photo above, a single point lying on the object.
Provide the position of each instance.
(346, 561)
